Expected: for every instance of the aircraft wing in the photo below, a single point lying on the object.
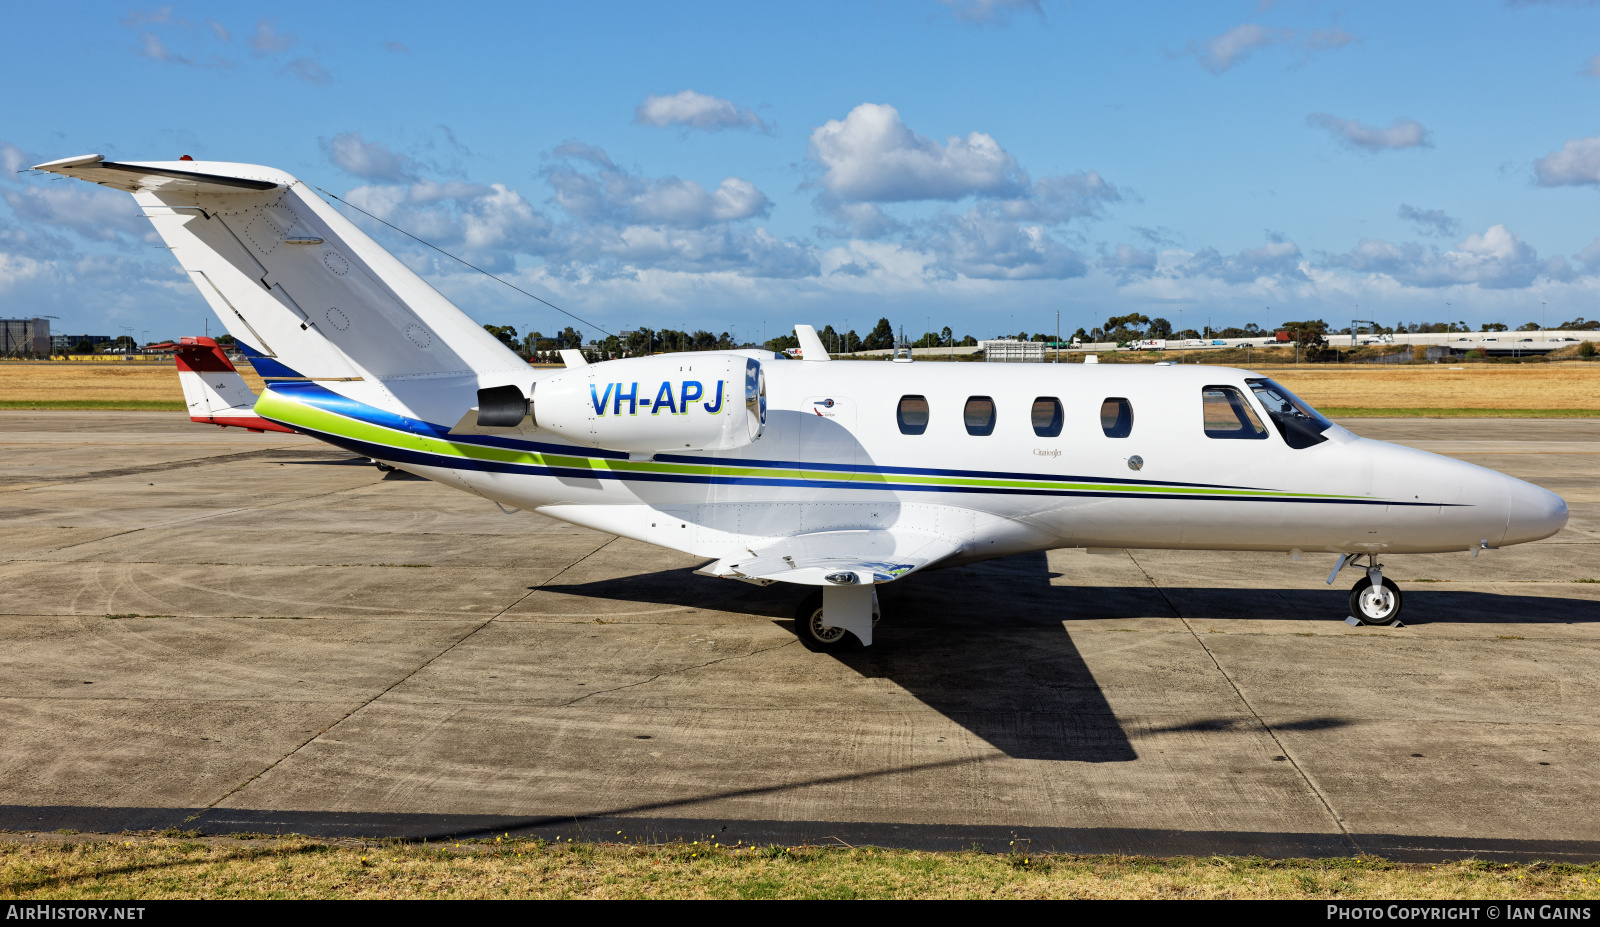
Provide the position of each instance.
(869, 556)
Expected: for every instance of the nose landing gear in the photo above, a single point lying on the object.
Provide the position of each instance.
(1374, 599)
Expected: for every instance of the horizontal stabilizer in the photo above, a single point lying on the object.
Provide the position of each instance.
(866, 556)
(164, 176)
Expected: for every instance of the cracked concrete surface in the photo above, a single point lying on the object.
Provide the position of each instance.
(259, 625)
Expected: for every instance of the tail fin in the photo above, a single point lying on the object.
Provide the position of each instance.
(213, 389)
(295, 280)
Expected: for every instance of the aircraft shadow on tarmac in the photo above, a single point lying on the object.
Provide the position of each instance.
(987, 646)
(973, 647)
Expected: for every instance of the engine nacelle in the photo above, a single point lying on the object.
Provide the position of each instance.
(661, 404)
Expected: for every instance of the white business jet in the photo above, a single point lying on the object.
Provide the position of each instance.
(832, 476)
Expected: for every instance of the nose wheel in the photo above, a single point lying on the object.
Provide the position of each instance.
(1375, 603)
(1374, 599)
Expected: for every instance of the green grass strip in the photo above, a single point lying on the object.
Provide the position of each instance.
(107, 405)
(1337, 412)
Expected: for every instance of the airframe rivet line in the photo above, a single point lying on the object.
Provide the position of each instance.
(1282, 747)
(387, 689)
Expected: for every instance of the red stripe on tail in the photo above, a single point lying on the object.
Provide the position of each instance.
(198, 354)
(254, 423)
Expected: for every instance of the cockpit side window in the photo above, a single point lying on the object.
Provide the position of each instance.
(912, 415)
(1300, 425)
(1227, 415)
(1116, 417)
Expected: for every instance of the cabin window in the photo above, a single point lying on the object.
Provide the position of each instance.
(979, 415)
(1047, 416)
(912, 415)
(1116, 417)
(1300, 425)
(1227, 415)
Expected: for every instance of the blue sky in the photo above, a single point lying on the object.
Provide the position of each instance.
(727, 166)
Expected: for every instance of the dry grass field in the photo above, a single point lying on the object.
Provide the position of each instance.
(1572, 387)
(144, 867)
(78, 385)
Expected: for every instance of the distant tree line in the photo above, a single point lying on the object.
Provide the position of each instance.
(882, 337)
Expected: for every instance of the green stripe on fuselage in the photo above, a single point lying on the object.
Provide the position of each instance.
(276, 406)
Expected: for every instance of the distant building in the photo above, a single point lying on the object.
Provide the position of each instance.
(61, 344)
(25, 336)
(1010, 350)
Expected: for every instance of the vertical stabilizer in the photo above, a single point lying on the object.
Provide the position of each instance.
(298, 282)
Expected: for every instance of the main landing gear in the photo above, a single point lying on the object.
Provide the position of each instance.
(818, 635)
(1374, 599)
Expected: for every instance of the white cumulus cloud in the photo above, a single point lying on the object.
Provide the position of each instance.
(872, 156)
(1402, 133)
(1127, 263)
(622, 223)
(696, 111)
(1493, 259)
(981, 245)
(605, 192)
(1576, 164)
(94, 213)
(1279, 259)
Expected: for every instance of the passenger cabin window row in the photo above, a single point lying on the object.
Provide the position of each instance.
(1225, 414)
(1048, 416)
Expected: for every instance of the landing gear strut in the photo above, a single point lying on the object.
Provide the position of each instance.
(1374, 599)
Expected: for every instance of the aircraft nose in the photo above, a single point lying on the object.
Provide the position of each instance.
(1534, 513)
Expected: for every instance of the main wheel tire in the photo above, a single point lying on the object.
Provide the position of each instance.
(814, 632)
(1375, 606)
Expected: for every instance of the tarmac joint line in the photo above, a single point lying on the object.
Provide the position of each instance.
(1282, 747)
(389, 688)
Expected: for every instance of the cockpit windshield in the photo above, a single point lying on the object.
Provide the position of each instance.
(1300, 425)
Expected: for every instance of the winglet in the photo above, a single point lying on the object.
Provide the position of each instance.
(573, 357)
(811, 348)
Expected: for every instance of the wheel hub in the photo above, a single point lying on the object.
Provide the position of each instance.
(1376, 602)
(822, 631)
